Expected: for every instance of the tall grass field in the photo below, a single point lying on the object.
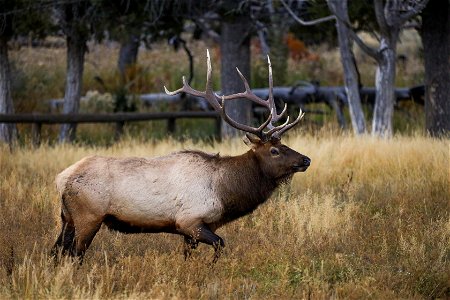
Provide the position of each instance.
(369, 219)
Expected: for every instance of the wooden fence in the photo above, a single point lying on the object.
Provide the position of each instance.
(119, 118)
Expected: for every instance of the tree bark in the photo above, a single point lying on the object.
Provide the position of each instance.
(351, 75)
(436, 45)
(384, 85)
(279, 52)
(8, 132)
(128, 53)
(235, 52)
(76, 48)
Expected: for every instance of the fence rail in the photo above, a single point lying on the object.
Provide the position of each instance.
(119, 118)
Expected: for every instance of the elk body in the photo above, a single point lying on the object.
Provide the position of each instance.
(190, 193)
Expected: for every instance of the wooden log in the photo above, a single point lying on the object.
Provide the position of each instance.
(296, 95)
(103, 118)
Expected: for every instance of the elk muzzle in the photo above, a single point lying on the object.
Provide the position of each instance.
(302, 164)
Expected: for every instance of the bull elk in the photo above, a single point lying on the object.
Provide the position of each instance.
(190, 193)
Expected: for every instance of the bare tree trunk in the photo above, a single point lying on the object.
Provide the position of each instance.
(8, 132)
(436, 46)
(128, 53)
(279, 52)
(235, 52)
(76, 48)
(351, 75)
(384, 85)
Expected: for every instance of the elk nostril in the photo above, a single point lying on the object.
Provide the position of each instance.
(306, 161)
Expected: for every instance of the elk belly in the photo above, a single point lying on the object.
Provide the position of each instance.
(161, 195)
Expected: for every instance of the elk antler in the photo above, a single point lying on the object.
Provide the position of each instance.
(218, 103)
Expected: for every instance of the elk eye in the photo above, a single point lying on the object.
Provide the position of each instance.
(274, 151)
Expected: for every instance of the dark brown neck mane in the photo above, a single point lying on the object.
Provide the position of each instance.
(242, 185)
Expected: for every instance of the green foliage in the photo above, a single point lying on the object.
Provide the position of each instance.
(362, 15)
(25, 17)
(95, 102)
(317, 34)
(151, 20)
(123, 101)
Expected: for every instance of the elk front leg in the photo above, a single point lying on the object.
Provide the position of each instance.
(202, 233)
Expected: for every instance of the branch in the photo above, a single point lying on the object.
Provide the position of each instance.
(380, 15)
(372, 52)
(342, 16)
(413, 12)
(262, 40)
(366, 48)
(306, 23)
(261, 30)
(211, 33)
(412, 25)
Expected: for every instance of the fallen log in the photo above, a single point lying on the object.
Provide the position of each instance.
(291, 95)
(300, 95)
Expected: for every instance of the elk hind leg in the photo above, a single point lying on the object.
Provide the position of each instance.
(66, 240)
(85, 233)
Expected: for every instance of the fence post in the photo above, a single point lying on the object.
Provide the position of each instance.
(36, 134)
(119, 130)
(171, 127)
(218, 128)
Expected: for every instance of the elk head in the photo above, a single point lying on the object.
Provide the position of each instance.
(276, 159)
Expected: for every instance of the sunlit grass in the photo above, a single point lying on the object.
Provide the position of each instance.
(369, 219)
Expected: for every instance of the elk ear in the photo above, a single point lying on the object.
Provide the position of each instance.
(252, 141)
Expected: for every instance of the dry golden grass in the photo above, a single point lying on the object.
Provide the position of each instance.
(369, 219)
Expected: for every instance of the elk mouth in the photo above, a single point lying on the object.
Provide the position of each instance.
(303, 165)
(299, 168)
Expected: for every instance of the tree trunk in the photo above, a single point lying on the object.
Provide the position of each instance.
(235, 52)
(279, 52)
(76, 48)
(8, 132)
(128, 53)
(436, 45)
(384, 85)
(351, 75)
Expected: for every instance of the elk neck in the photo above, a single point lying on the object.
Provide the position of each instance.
(242, 185)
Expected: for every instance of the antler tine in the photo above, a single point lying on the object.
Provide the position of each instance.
(208, 94)
(248, 94)
(212, 98)
(277, 128)
(185, 89)
(286, 127)
(256, 131)
(273, 109)
(269, 103)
